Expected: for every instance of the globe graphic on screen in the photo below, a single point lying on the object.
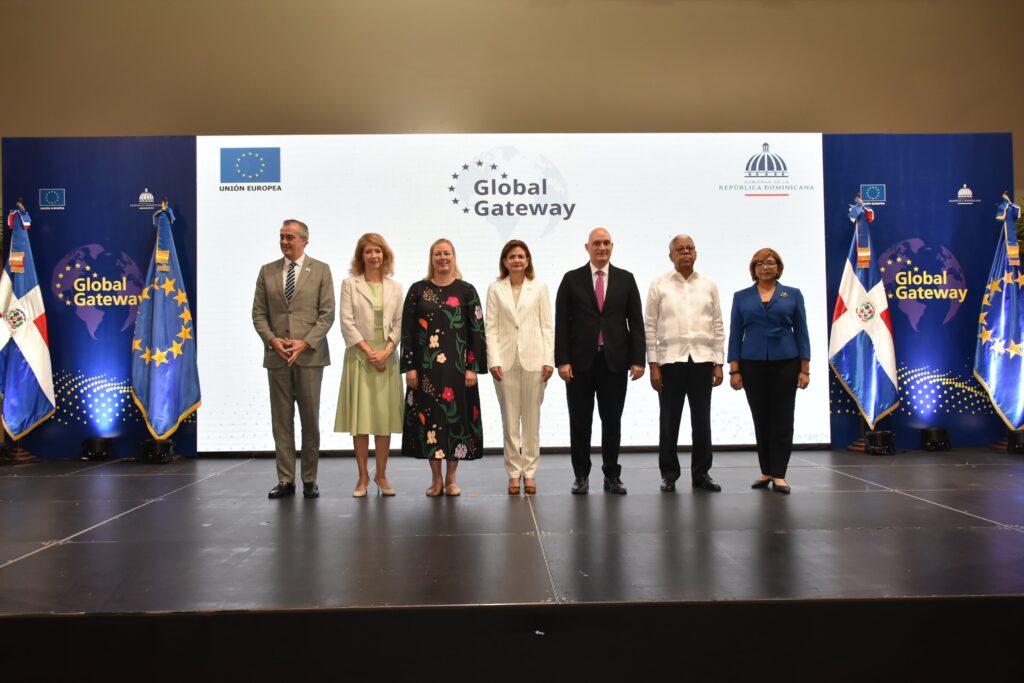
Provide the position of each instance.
(931, 258)
(513, 164)
(94, 262)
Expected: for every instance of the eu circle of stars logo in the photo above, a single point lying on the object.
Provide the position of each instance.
(250, 165)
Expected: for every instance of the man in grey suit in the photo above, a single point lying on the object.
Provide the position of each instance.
(292, 311)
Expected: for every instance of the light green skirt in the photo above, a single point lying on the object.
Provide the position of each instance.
(370, 402)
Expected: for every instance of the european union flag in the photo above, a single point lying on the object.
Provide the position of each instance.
(873, 192)
(165, 378)
(51, 196)
(250, 164)
(999, 357)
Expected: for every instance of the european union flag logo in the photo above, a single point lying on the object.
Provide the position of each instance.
(1000, 348)
(250, 164)
(165, 379)
(51, 197)
(873, 193)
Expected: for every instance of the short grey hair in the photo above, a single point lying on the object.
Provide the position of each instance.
(679, 238)
(303, 229)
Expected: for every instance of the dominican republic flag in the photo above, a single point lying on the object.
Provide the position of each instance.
(165, 378)
(860, 350)
(26, 378)
(999, 353)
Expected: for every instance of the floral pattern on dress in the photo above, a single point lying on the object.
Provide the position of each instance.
(442, 337)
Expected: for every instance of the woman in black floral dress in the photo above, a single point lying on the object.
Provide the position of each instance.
(443, 349)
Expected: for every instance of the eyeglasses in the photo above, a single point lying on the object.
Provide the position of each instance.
(765, 265)
(683, 250)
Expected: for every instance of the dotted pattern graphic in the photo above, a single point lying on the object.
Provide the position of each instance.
(926, 391)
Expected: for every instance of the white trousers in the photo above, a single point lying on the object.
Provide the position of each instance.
(520, 394)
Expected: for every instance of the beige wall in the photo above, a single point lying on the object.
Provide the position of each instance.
(157, 67)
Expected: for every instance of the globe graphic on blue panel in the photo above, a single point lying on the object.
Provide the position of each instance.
(925, 257)
(91, 271)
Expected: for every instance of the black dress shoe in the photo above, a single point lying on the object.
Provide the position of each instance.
(581, 486)
(761, 483)
(614, 485)
(668, 486)
(780, 488)
(282, 490)
(706, 483)
(310, 490)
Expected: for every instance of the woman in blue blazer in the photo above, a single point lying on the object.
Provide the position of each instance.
(769, 358)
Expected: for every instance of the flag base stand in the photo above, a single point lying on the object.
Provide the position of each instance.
(158, 451)
(858, 446)
(875, 443)
(1015, 442)
(16, 455)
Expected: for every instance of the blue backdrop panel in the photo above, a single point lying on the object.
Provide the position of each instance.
(92, 202)
(935, 198)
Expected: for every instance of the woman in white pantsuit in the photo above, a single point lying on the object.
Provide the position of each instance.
(521, 354)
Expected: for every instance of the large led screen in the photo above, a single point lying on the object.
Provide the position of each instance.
(733, 193)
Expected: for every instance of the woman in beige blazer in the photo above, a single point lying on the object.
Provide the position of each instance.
(521, 355)
(370, 400)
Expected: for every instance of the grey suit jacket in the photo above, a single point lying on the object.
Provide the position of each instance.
(308, 318)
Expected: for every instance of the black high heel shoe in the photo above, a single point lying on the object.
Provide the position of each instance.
(780, 488)
(761, 483)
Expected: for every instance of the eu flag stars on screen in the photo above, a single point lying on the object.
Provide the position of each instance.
(250, 164)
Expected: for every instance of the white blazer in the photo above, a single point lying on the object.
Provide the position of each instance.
(525, 330)
(356, 311)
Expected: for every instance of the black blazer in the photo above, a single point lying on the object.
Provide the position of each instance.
(578, 321)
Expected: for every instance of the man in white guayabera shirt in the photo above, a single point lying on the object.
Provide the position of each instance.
(685, 352)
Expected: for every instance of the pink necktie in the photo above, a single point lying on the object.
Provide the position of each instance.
(599, 291)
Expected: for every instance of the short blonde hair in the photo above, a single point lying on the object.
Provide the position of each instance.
(358, 266)
(430, 259)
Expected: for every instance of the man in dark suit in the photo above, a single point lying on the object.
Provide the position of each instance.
(292, 311)
(599, 336)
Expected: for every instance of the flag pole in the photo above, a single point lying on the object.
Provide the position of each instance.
(860, 444)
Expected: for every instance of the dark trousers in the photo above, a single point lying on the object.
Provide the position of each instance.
(770, 386)
(610, 389)
(679, 382)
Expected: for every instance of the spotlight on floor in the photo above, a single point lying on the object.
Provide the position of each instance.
(935, 439)
(879, 443)
(97, 448)
(1015, 442)
(157, 451)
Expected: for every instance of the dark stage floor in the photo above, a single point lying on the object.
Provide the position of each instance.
(201, 535)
